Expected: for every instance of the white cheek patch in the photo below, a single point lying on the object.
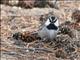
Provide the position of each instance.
(57, 23)
(47, 22)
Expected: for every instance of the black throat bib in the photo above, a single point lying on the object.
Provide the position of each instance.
(52, 27)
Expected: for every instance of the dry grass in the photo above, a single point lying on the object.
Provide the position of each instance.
(29, 20)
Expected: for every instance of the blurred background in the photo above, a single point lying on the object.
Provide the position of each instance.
(28, 15)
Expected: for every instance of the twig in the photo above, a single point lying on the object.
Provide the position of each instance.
(37, 50)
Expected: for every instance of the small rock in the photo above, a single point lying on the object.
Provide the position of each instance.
(61, 54)
(76, 15)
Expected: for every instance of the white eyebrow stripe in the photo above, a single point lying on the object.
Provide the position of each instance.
(55, 20)
(55, 17)
(50, 19)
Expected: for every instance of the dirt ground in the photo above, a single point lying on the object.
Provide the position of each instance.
(18, 19)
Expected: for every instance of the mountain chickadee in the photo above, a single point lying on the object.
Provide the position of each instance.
(50, 29)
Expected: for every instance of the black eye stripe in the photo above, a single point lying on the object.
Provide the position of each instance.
(55, 20)
(50, 20)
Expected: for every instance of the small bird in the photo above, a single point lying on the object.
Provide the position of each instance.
(50, 29)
